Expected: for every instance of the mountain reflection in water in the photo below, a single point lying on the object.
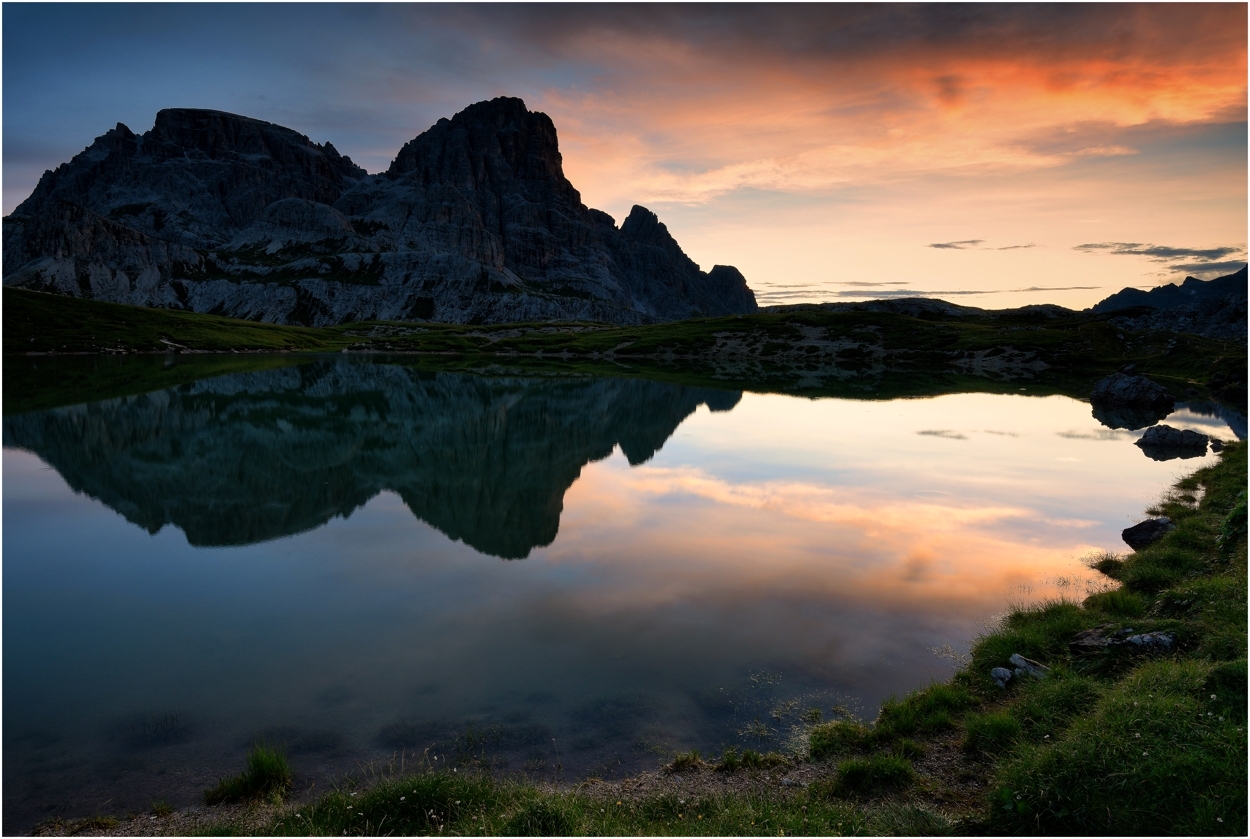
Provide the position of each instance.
(250, 457)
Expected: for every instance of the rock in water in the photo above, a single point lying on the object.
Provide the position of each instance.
(1132, 402)
(1163, 442)
(474, 222)
(1143, 535)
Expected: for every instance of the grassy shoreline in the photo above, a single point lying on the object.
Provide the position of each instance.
(862, 355)
(1123, 740)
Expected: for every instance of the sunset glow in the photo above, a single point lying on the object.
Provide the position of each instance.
(829, 152)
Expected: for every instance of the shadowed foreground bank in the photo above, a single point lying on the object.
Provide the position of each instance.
(1115, 739)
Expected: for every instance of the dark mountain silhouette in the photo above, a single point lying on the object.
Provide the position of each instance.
(249, 457)
(1214, 308)
(474, 221)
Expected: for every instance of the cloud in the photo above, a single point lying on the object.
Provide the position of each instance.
(963, 244)
(914, 292)
(869, 285)
(1159, 253)
(1228, 267)
(945, 434)
(1016, 247)
(1209, 260)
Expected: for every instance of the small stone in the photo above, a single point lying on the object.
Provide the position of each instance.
(1027, 666)
(1001, 676)
(1089, 641)
(1152, 641)
(1143, 535)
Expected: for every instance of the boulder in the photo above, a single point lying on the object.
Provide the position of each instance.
(1143, 535)
(1124, 401)
(1163, 442)
(1001, 676)
(1028, 667)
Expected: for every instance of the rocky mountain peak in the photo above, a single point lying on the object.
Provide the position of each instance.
(218, 134)
(486, 144)
(473, 222)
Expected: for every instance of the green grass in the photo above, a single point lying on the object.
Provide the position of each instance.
(438, 803)
(836, 738)
(994, 732)
(267, 777)
(1153, 756)
(860, 355)
(927, 711)
(686, 761)
(867, 776)
(732, 760)
(46, 323)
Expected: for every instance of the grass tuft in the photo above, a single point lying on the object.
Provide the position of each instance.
(267, 776)
(686, 761)
(992, 733)
(872, 775)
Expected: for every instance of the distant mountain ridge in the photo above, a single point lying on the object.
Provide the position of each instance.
(1211, 308)
(1191, 292)
(474, 222)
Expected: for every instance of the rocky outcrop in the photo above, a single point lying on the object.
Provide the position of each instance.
(1125, 401)
(474, 222)
(1163, 442)
(484, 460)
(1105, 639)
(1212, 308)
(1144, 534)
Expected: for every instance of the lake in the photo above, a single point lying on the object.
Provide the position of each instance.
(353, 559)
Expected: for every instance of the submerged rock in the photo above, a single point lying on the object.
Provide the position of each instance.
(1163, 442)
(1143, 535)
(1132, 402)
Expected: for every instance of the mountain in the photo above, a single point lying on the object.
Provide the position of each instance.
(249, 457)
(1213, 308)
(474, 222)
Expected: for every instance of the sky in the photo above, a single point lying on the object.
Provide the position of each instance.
(990, 155)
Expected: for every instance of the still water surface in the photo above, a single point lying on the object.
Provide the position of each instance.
(353, 559)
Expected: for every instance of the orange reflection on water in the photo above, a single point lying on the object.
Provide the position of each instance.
(955, 507)
(693, 537)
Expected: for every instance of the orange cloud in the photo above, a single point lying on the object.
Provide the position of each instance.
(682, 117)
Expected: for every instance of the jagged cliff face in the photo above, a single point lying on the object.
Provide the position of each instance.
(474, 222)
(248, 457)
